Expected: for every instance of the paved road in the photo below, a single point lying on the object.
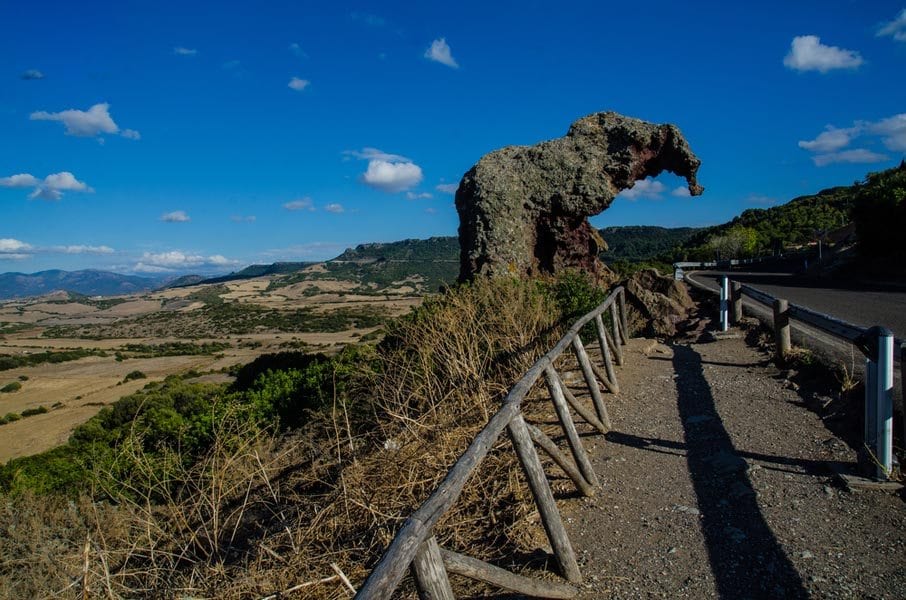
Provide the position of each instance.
(863, 305)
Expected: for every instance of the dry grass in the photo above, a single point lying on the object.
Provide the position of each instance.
(260, 515)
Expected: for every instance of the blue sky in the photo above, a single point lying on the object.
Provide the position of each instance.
(161, 137)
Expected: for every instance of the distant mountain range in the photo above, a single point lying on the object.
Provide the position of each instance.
(89, 282)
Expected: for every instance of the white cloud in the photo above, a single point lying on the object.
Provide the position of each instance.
(177, 216)
(418, 195)
(827, 146)
(334, 207)
(182, 51)
(431, 210)
(174, 260)
(439, 51)
(856, 156)
(296, 49)
(298, 84)
(807, 53)
(87, 123)
(392, 177)
(300, 204)
(447, 188)
(644, 188)
(22, 180)
(242, 219)
(94, 121)
(80, 249)
(12, 249)
(681, 192)
(830, 140)
(12, 245)
(32, 74)
(51, 188)
(375, 154)
(896, 28)
(387, 172)
(892, 131)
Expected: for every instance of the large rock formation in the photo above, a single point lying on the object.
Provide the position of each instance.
(525, 209)
(657, 304)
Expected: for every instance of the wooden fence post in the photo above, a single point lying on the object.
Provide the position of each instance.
(621, 297)
(782, 329)
(569, 428)
(544, 499)
(589, 374)
(605, 351)
(430, 574)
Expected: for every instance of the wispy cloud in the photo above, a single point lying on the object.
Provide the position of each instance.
(895, 29)
(82, 249)
(242, 219)
(183, 51)
(12, 249)
(177, 216)
(386, 171)
(50, 188)
(298, 84)
(648, 189)
(297, 50)
(681, 192)
(447, 188)
(439, 51)
(857, 156)
(300, 204)
(334, 207)
(760, 200)
(829, 144)
(807, 53)
(176, 260)
(368, 19)
(830, 139)
(418, 195)
(86, 123)
(32, 75)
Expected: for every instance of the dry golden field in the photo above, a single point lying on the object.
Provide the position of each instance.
(251, 317)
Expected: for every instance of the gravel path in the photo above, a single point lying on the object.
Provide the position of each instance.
(715, 483)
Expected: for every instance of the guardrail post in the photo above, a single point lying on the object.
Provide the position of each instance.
(782, 329)
(724, 302)
(736, 295)
(903, 384)
(879, 400)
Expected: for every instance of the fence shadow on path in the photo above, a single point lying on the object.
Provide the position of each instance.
(746, 559)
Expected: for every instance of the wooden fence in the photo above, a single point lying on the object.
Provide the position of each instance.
(415, 547)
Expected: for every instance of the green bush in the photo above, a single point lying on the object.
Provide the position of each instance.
(14, 386)
(29, 412)
(10, 417)
(133, 375)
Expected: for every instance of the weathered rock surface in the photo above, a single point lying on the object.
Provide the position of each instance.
(525, 209)
(657, 303)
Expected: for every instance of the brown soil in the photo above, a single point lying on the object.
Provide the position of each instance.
(716, 483)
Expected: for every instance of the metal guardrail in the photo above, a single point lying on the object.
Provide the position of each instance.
(876, 343)
(415, 545)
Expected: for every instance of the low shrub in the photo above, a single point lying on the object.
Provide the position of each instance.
(13, 386)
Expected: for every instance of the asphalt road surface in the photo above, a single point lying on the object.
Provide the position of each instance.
(864, 305)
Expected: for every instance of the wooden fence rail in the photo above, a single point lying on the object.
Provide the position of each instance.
(415, 546)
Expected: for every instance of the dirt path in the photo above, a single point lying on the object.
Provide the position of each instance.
(715, 484)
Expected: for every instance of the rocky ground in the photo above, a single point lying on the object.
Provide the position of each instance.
(717, 481)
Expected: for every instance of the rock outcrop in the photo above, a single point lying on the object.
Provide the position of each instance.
(525, 209)
(656, 303)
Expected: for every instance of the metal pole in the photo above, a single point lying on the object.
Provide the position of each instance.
(884, 398)
(724, 302)
(871, 407)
